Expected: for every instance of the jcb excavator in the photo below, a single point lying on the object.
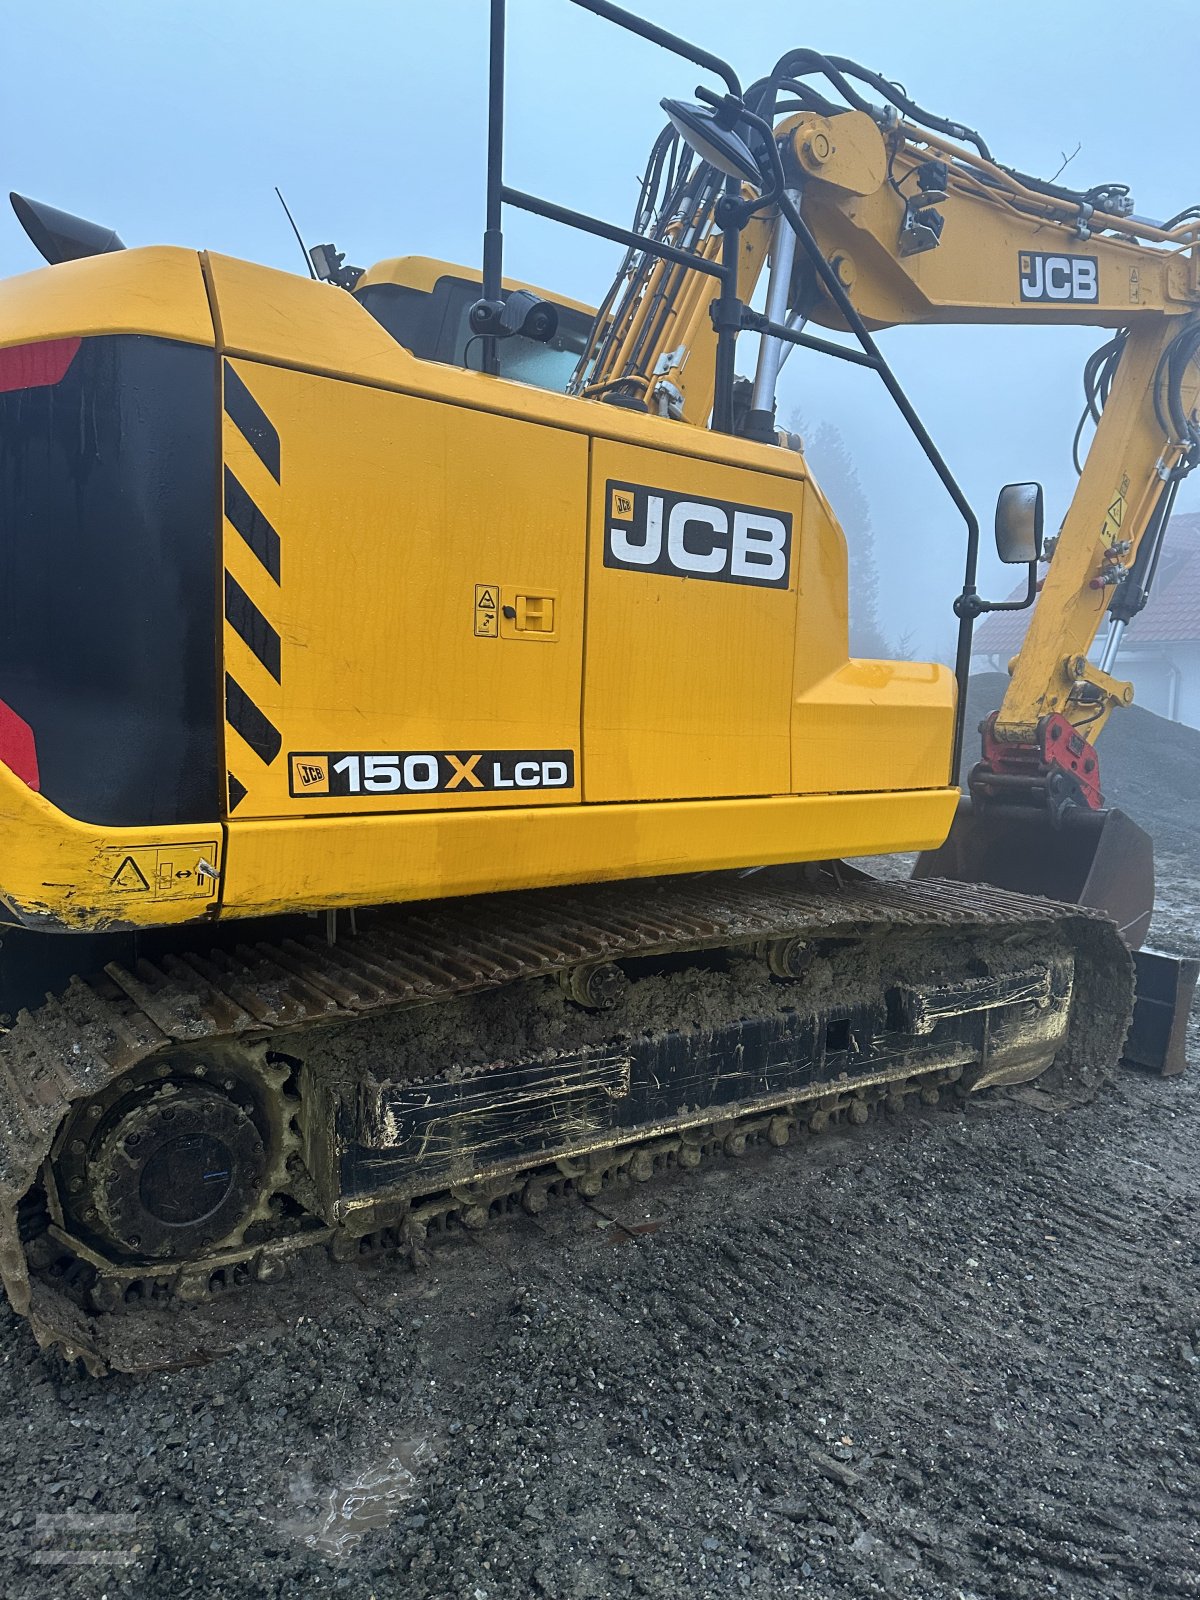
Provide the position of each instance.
(429, 746)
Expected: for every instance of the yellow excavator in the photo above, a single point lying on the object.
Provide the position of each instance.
(429, 744)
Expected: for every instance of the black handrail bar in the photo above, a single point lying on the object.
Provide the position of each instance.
(609, 230)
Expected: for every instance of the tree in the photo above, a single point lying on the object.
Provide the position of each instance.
(833, 468)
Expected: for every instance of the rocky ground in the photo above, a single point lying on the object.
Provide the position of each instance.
(949, 1356)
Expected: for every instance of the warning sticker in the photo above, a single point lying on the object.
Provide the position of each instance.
(166, 872)
(487, 610)
(1115, 515)
(129, 876)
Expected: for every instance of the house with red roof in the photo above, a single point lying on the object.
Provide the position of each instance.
(1160, 653)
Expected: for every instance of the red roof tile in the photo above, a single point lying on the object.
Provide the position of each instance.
(1172, 613)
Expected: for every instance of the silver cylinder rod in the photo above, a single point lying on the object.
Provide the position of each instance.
(796, 321)
(1112, 644)
(771, 350)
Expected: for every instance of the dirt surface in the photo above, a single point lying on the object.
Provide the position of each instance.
(948, 1356)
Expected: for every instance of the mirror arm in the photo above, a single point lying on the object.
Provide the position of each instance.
(970, 604)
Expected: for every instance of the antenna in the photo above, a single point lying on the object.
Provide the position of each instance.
(312, 271)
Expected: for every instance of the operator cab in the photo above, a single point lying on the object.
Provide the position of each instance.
(424, 305)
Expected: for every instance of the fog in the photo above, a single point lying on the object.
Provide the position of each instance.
(172, 123)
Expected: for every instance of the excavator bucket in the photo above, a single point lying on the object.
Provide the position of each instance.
(1100, 859)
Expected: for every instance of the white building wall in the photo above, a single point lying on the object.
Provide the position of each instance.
(1165, 681)
(1187, 659)
(1155, 681)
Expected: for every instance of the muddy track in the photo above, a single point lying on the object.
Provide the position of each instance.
(949, 1355)
(457, 985)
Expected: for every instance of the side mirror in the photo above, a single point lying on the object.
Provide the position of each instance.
(1019, 521)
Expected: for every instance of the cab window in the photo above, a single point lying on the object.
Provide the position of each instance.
(433, 325)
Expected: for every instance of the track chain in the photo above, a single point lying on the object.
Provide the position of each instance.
(100, 1028)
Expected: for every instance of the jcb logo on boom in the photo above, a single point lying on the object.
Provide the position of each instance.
(657, 530)
(1045, 277)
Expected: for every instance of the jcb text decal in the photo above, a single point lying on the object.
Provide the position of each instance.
(1045, 277)
(350, 772)
(657, 530)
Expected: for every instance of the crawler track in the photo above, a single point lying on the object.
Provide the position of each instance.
(362, 1133)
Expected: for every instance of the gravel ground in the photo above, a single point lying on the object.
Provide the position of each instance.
(950, 1356)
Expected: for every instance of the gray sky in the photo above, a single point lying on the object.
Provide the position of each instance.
(171, 122)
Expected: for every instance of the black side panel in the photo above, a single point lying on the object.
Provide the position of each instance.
(108, 518)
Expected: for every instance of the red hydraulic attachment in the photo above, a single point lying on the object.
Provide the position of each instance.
(1060, 768)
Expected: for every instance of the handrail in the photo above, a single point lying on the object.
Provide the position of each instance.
(500, 194)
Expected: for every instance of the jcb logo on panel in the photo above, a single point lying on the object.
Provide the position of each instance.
(657, 530)
(1045, 277)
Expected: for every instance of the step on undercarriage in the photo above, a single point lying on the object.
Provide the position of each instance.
(174, 1130)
